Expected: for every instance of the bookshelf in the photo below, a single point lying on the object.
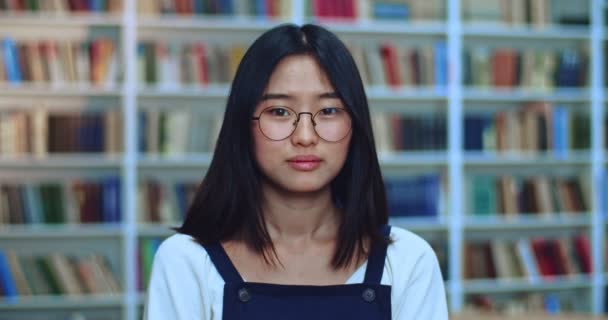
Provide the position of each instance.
(450, 229)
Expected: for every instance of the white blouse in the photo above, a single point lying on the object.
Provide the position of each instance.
(184, 283)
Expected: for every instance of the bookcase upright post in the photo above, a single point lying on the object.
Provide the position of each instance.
(129, 98)
(455, 164)
(597, 153)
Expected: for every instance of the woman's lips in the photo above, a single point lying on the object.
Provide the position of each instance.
(304, 163)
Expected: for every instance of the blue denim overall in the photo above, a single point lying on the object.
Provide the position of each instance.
(249, 300)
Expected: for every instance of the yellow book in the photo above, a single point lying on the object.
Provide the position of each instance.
(236, 54)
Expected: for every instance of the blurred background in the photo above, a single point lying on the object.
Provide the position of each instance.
(488, 117)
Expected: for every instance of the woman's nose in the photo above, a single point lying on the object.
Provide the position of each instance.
(304, 133)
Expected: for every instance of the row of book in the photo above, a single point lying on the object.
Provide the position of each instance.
(96, 62)
(397, 132)
(421, 195)
(39, 132)
(531, 259)
(176, 132)
(527, 68)
(400, 10)
(531, 128)
(542, 196)
(537, 13)
(87, 201)
(60, 62)
(55, 274)
(164, 202)
(536, 302)
(91, 200)
(389, 64)
(171, 65)
(61, 6)
(260, 8)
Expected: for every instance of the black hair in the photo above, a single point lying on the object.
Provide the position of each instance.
(227, 204)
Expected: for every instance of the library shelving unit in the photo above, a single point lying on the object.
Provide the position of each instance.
(149, 103)
(46, 162)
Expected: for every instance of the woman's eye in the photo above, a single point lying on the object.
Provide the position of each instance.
(278, 112)
(329, 111)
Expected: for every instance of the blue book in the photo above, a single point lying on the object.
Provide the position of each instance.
(604, 203)
(33, 201)
(97, 133)
(474, 126)
(11, 61)
(560, 131)
(261, 9)
(440, 52)
(413, 196)
(110, 199)
(97, 5)
(225, 7)
(9, 289)
(84, 133)
(198, 6)
(569, 69)
(27, 206)
(390, 11)
(552, 304)
(430, 197)
(141, 131)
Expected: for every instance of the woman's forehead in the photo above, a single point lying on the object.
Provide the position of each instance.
(298, 74)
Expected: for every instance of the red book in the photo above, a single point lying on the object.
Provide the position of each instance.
(349, 9)
(504, 68)
(391, 65)
(271, 8)
(583, 251)
(201, 57)
(317, 9)
(543, 253)
(188, 7)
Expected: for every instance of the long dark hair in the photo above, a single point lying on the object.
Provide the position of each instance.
(227, 204)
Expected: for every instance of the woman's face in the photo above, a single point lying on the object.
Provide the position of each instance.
(303, 162)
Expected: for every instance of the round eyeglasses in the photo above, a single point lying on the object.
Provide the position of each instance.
(278, 123)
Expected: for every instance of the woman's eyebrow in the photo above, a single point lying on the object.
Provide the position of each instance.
(278, 96)
(328, 95)
(283, 96)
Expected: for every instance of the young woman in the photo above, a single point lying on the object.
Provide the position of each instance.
(290, 221)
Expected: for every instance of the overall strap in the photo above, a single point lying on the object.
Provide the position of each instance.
(375, 261)
(222, 263)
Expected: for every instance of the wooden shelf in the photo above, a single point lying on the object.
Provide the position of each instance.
(524, 32)
(61, 302)
(66, 161)
(57, 19)
(60, 231)
(486, 286)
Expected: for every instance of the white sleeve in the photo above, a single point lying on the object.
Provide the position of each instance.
(174, 289)
(412, 271)
(424, 296)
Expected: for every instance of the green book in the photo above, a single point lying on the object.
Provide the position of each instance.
(31, 5)
(52, 203)
(147, 256)
(483, 195)
(34, 276)
(49, 275)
